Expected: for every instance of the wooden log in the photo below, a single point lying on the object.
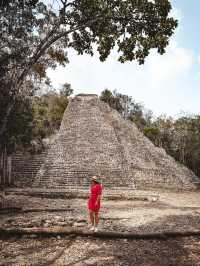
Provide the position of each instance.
(60, 231)
(48, 210)
(76, 195)
(4, 210)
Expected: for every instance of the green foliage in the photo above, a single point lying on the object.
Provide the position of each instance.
(20, 125)
(66, 90)
(48, 111)
(153, 134)
(35, 36)
(186, 142)
(180, 138)
(128, 108)
(33, 118)
(106, 96)
(110, 98)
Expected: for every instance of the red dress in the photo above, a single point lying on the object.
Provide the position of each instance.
(95, 191)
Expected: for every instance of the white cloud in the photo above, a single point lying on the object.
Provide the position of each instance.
(162, 83)
(176, 62)
(198, 59)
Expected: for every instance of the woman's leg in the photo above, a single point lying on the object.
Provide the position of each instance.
(91, 217)
(96, 218)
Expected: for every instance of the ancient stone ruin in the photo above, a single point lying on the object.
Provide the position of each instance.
(95, 140)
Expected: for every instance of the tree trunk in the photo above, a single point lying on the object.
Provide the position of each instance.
(5, 119)
(4, 169)
(9, 170)
(1, 169)
(4, 166)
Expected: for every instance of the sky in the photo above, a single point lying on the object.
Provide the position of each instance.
(166, 84)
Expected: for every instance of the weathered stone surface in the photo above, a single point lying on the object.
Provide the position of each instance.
(25, 167)
(95, 140)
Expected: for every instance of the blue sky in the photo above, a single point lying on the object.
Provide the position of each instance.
(167, 84)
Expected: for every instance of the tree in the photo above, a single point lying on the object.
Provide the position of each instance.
(112, 99)
(106, 96)
(20, 125)
(180, 138)
(128, 108)
(186, 142)
(153, 133)
(35, 36)
(66, 90)
(48, 111)
(166, 132)
(125, 104)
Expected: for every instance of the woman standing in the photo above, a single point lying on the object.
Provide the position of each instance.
(94, 202)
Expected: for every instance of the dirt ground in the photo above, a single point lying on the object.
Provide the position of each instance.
(178, 211)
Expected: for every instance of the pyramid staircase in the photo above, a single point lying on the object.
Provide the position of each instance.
(95, 140)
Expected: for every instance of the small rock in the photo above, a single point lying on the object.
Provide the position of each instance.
(61, 223)
(78, 224)
(47, 221)
(82, 220)
(154, 199)
(58, 218)
(9, 221)
(46, 225)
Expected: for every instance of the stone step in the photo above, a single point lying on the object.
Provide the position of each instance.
(94, 139)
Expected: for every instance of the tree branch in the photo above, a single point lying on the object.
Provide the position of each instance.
(44, 46)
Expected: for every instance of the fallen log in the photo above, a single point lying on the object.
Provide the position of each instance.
(68, 231)
(47, 210)
(6, 210)
(53, 194)
(21, 210)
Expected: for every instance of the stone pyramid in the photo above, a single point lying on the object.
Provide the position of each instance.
(95, 140)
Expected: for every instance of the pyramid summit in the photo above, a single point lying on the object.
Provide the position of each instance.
(94, 139)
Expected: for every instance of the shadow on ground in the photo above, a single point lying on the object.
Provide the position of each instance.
(98, 252)
(173, 252)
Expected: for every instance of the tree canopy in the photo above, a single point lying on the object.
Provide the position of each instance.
(35, 35)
